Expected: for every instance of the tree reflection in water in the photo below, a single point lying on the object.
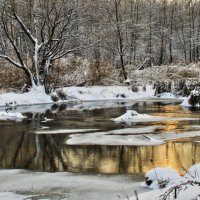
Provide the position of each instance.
(50, 153)
(21, 148)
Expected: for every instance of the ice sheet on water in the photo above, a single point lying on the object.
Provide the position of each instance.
(173, 135)
(14, 116)
(12, 196)
(109, 138)
(65, 131)
(95, 187)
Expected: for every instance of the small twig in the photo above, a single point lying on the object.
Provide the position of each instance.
(125, 194)
(196, 171)
(136, 195)
(156, 173)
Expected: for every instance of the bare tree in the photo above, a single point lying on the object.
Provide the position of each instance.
(46, 31)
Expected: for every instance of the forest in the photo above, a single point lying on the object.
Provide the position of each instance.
(36, 34)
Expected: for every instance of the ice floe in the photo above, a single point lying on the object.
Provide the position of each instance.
(108, 138)
(64, 131)
(14, 116)
(22, 184)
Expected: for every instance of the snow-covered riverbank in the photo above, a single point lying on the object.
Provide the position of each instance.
(96, 93)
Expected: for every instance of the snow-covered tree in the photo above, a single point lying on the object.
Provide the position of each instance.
(39, 33)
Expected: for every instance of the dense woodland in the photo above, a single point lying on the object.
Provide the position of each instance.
(35, 34)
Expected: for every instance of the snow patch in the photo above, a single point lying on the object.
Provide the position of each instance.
(166, 95)
(194, 171)
(134, 116)
(36, 95)
(12, 196)
(97, 93)
(14, 116)
(160, 178)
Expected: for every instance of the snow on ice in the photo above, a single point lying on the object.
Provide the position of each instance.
(23, 184)
(134, 116)
(116, 137)
(14, 116)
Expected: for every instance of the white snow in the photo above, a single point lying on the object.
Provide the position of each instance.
(47, 120)
(194, 171)
(60, 131)
(99, 93)
(185, 191)
(134, 116)
(166, 95)
(185, 103)
(12, 196)
(14, 116)
(187, 188)
(110, 138)
(15, 183)
(36, 95)
(96, 93)
(160, 176)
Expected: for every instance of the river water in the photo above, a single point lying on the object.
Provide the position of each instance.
(22, 148)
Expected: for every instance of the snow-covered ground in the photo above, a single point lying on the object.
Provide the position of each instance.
(99, 93)
(22, 184)
(160, 177)
(168, 184)
(96, 93)
(185, 190)
(36, 95)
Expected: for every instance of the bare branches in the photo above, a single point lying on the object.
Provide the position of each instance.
(11, 61)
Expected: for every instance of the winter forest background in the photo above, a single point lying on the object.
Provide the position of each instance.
(36, 34)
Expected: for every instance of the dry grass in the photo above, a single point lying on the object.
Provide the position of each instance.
(12, 79)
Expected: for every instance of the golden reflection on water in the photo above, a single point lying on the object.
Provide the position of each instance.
(175, 111)
(126, 159)
(51, 154)
(19, 149)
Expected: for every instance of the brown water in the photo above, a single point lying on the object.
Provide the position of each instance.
(20, 147)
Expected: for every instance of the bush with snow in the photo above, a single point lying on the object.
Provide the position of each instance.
(160, 178)
(193, 99)
(193, 172)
